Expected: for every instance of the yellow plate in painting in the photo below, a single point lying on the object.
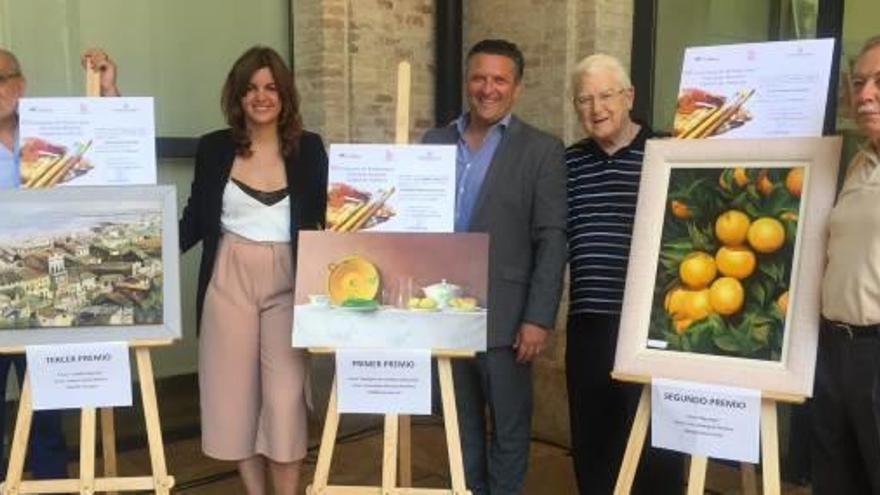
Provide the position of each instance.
(352, 277)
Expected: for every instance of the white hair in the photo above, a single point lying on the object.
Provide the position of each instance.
(596, 63)
(870, 44)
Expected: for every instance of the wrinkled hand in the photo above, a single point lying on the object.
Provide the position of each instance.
(97, 59)
(529, 342)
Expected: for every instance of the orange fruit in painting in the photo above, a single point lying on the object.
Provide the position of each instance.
(766, 235)
(735, 261)
(697, 305)
(680, 209)
(674, 301)
(764, 184)
(682, 325)
(794, 181)
(726, 296)
(782, 303)
(697, 269)
(740, 176)
(731, 227)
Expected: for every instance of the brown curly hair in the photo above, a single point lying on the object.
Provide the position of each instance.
(236, 86)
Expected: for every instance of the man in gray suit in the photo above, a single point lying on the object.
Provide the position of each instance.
(510, 182)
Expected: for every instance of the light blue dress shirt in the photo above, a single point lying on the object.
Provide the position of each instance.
(471, 167)
(9, 177)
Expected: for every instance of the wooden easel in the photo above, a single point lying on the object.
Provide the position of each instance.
(160, 482)
(397, 454)
(390, 453)
(697, 471)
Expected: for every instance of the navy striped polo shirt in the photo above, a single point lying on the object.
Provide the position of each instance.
(602, 195)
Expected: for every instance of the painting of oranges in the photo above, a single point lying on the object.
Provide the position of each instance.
(726, 260)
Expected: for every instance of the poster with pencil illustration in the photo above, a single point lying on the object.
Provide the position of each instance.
(86, 142)
(391, 188)
(775, 89)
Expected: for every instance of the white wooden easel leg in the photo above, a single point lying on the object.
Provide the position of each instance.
(401, 136)
(108, 443)
(87, 451)
(162, 481)
(635, 444)
(770, 447)
(450, 420)
(325, 450)
(697, 475)
(389, 454)
(18, 449)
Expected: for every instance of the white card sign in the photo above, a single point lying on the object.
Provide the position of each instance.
(708, 420)
(383, 382)
(72, 376)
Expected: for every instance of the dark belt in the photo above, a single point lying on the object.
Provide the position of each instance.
(850, 331)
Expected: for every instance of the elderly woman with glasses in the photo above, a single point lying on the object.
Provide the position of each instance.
(604, 170)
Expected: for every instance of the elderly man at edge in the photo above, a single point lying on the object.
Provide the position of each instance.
(846, 446)
(47, 455)
(510, 182)
(604, 170)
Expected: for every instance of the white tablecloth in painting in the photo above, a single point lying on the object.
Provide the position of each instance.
(388, 328)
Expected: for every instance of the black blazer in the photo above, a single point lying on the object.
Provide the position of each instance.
(306, 181)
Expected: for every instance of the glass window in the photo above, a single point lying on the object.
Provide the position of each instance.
(685, 23)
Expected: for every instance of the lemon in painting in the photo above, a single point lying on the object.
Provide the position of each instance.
(782, 303)
(674, 301)
(697, 305)
(726, 296)
(682, 325)
(737, 261)
(680, 209)
(794, 181)
(766, 235)
(731, 227)
(697, 269)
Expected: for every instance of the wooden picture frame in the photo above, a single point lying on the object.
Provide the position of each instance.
(113, 281)
(757, 342)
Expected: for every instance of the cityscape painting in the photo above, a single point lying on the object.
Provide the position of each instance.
(77, 260)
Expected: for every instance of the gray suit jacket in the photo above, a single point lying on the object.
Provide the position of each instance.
(522, 205)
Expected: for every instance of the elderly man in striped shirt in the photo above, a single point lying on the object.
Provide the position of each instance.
(604, 170)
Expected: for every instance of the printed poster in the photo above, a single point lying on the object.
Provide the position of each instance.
(87, 142)
(391, 188)
(754, 90)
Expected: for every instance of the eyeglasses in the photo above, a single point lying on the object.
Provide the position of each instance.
(584, 101)
(9, 76)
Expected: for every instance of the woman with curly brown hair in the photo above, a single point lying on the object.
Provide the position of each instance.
(256, 185)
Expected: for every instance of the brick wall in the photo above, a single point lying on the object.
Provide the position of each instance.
(553, 35)
(345, 56)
